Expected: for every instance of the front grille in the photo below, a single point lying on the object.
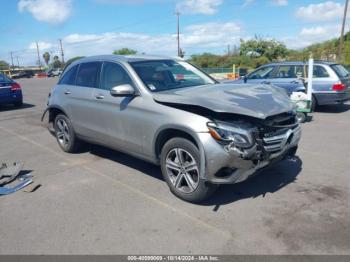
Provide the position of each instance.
(278, 140)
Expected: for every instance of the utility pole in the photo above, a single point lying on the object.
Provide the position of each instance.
(341, 43)
(37, 50)
(62, 53)
(228, 50)
(12, 59)
(17, 62)
(178, 34)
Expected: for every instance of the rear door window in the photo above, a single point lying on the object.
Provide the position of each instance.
(89, 74)
(319, 71)
(290, 71)
(69, 77)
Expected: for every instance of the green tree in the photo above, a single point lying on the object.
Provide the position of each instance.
(270, 48)
(73, 60)
(56, 62)
(125, 51)
(4, 65)
(46, 57)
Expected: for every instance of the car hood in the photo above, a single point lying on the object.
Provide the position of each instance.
(258, 100)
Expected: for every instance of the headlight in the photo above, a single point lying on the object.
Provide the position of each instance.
(227, 135)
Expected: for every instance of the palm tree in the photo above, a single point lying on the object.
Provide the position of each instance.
(46, 57)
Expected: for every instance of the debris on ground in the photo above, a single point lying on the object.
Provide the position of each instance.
(11, 174)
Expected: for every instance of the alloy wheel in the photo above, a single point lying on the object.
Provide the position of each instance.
(182, 170)
(62, 132)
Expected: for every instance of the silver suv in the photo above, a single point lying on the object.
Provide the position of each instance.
(168, 112)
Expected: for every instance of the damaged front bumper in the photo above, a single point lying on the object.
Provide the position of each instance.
(227, 164)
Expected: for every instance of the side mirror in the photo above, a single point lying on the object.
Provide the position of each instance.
(123, 90)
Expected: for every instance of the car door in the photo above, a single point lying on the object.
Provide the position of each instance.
(80, 100)
(120, 117)
(289, 77)
(263, 75)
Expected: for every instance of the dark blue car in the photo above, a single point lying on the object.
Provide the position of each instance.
(10, 92)
(331, 81)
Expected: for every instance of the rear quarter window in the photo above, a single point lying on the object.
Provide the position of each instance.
(340, 71)
(69, 77)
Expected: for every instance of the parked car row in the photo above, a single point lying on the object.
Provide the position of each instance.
(331, 81)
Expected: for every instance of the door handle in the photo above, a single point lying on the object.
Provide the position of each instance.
(266, 82)
(99, 96)
(294, 82)
(67, 92)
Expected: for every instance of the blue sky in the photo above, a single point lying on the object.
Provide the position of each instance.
(90, 27)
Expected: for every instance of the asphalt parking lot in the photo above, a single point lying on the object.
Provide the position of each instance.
(104, 202)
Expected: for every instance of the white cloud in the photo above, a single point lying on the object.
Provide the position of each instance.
(50, 11)
(208, 37)
(211, 34)
(247, 2)
(312, 35)
(42, 45)
(274, 2)
(280, 2)
(207, 7)
(325, 11)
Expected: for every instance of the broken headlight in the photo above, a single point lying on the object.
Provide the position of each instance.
(227, 134)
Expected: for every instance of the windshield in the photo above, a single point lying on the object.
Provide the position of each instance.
(162, 75)
(340, 71)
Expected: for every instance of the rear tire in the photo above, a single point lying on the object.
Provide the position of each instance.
(180, 164)
(301, 117)
(313, 104)
(18, 104)
(65, 135)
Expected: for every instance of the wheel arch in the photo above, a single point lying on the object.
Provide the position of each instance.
(170, 132)
(54, 111)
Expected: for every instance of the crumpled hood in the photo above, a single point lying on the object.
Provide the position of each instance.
(258, 100)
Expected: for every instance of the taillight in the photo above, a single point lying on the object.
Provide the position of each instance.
(339, 87)
(15, 86)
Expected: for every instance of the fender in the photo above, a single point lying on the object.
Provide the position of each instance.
(190, 132)
(49, 108)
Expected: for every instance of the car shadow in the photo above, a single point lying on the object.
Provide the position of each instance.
(269, 180)
(333, 108)
(6, 107)
(266, 181)
(126, 160)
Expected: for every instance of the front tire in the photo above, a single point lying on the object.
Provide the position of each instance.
(180, 164)
(65, 134)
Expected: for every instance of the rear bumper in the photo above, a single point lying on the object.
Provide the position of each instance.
(10, 98)
(332, 98)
